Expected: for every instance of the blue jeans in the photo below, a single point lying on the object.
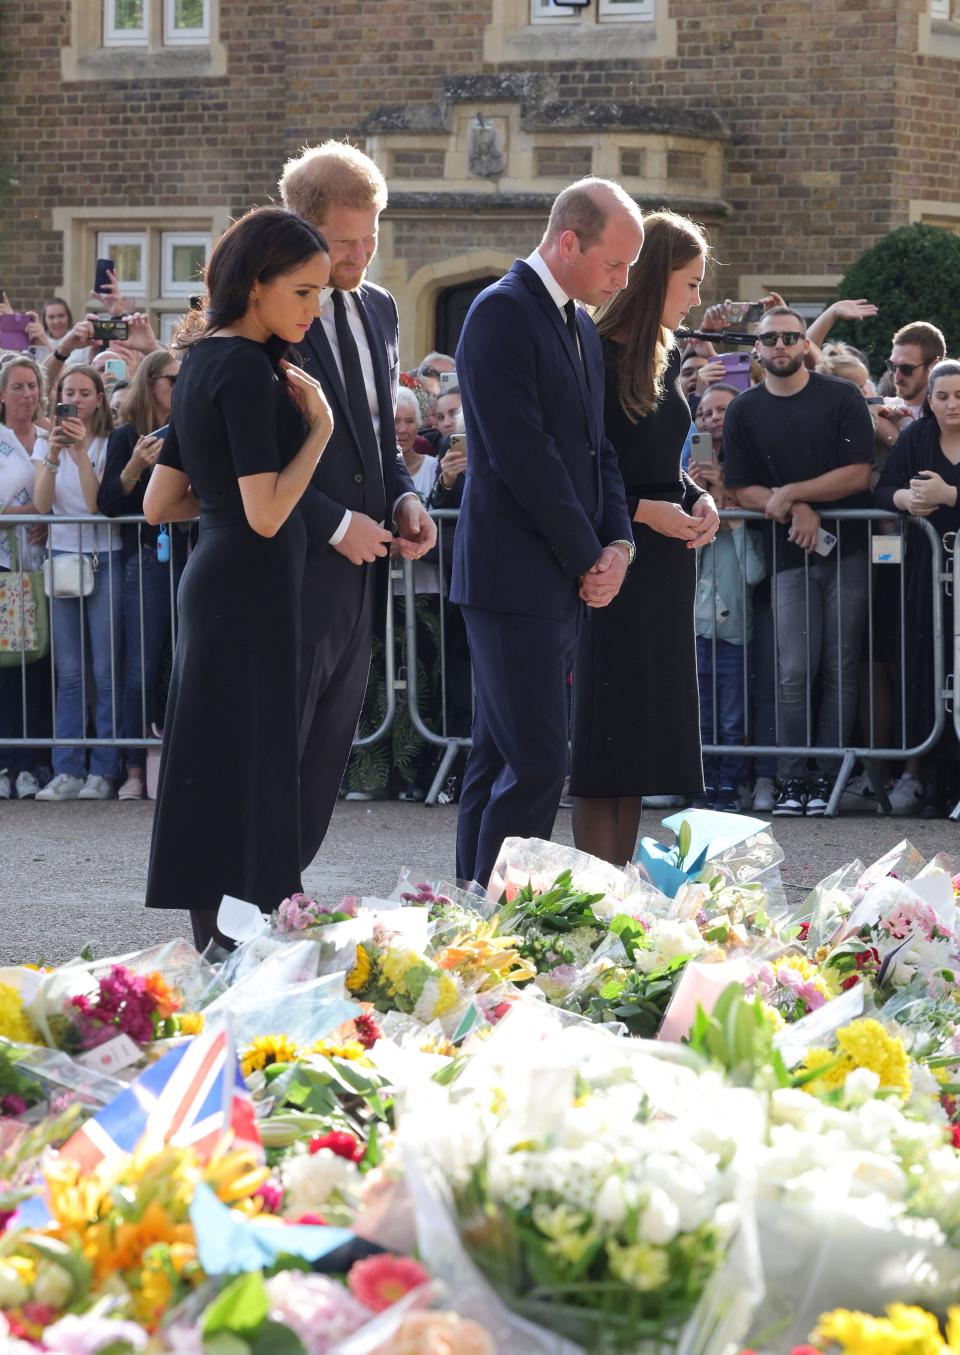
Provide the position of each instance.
(763, 685)
(728, 672)
(142, 663)
(85, 637)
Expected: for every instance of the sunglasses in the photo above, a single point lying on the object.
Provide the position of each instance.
(904, 368)
(790, 337)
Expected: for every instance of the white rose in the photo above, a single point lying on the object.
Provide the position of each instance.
(660, 1220)
(53, 1285)
(860, 1086)
(610, 1206)
(311, 1179)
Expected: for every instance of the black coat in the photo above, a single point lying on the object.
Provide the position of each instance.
(330, 581)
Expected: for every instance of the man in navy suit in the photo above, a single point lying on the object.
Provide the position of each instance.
(360, 485)
(544, 527)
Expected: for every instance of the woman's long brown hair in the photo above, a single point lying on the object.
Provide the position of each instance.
(632, 317)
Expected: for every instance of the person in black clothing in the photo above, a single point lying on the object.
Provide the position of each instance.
(922, 477)
(362, 489)
(246, 432)
(795, 443)
(131, 455)
(636, 726)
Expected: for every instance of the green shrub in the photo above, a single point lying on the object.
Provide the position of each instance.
(911, 274)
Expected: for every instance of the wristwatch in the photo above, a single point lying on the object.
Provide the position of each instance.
(60, 357)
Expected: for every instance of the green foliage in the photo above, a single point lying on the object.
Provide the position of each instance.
(561, 908)
(739, 1038)
(907, 275)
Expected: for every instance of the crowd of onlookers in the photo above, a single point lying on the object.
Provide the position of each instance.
(811, 633)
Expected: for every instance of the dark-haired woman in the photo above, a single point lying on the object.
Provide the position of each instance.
(636, 704)
(132, 452)
(247, 430)
(921, 477)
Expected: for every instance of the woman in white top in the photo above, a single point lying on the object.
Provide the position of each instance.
(21, 394)
(68, 474)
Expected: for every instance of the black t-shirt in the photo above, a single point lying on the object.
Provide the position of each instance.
(776, 440)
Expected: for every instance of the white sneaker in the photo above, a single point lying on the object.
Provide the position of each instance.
(27, 786)
(96, 788)
(906, 795)
(62, 787)
(132, 789)
(4, 786)
(664, 801)
(764, 795)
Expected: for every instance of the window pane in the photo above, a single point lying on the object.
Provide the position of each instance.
(128, 14)
(188, 13)
(187, 262)
(129, 261)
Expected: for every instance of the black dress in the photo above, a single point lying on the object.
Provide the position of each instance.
(227, 817)
(636, 724)
(918, 448)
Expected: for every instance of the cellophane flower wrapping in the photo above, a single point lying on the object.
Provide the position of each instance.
(594, 1187)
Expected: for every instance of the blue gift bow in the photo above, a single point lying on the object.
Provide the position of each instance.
(228, 1243)
(711, 833)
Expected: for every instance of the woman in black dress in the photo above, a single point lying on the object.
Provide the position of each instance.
(636, 728)
(247, 430)
(921, 476)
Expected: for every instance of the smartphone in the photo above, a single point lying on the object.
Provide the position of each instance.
(457, 443)
(65, 412)
(701, 449)
(745, 312)
(825, 542)
(875, 400)
(737, 366)
(115, 368)
(447, 379)
(101, 281)
(110, 329)
(13, 332)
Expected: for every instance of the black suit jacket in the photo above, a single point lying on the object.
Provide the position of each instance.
(543, 491)
(331, 582)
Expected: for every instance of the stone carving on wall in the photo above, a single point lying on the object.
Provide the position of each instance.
(486, 156)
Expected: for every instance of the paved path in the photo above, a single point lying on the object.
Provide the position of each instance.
(75, 872)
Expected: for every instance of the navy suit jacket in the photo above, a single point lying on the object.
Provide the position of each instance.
(543, 492)
(330, 581)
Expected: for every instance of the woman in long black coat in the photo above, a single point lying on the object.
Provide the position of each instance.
(247, 430)
(636, 728)
(921, 477)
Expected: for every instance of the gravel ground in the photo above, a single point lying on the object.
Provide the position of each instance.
(75, 872)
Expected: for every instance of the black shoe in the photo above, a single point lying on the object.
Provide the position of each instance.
(792, 800)
(705, 798)
(819, 797)
(728, 800)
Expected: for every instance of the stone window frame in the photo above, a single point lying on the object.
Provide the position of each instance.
(82, 227)
(589, 34)
(604, 12)
(810, 293)
(91, 55)
(939, 29)
(946, 215)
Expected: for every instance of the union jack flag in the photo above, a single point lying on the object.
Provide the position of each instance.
(191, 1097)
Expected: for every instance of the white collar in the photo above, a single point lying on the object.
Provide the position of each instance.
(538, 263)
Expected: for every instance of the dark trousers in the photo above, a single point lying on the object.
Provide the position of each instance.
(39, 722)
(333, 679)
(142, 660)
(514, 776)
(722, 667)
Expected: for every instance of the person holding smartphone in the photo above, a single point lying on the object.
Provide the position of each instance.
(636, 730)
(247, 429)
(68, 472)
(132, 453)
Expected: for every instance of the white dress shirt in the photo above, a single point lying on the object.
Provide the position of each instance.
(329, 322)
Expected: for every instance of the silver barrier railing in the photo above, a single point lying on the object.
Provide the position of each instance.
(951, 545)
(845, 752)
(93, 534)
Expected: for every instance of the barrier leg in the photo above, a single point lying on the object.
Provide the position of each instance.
(839, 785)
(443, 771)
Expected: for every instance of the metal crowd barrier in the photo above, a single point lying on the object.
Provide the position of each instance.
(435, 727)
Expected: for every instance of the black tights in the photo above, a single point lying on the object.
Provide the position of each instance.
(607, 827)
(204, 923)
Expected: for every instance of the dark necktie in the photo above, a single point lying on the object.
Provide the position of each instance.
(374, 496)
(570, 311)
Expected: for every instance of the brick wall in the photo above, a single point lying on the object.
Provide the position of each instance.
(420, 242)
(835, 121)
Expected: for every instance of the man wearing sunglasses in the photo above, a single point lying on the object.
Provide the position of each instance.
(799, 442)
(916, 349)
